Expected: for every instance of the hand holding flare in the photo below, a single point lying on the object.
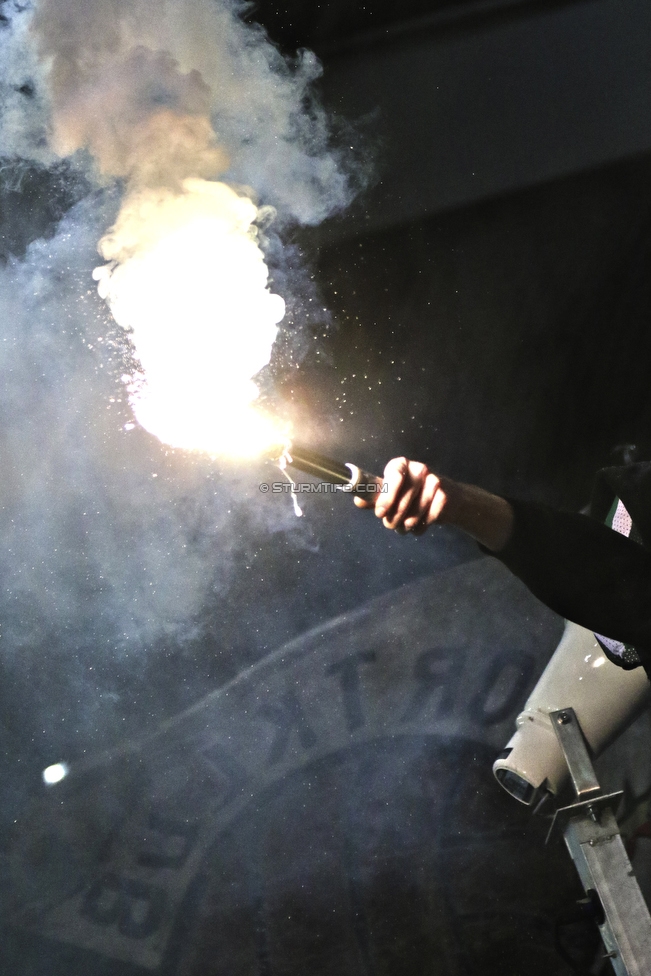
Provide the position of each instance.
(414, 498)
(417, 498)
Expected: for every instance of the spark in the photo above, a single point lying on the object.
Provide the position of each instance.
(285, 459)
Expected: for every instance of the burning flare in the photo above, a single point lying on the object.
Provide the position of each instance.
(168, 98)
(185, 275)
(187, 278)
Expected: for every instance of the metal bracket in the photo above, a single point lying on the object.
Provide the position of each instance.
(569, 734)
(590, 807)
(593, 839)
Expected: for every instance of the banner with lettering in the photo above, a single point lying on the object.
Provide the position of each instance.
(115, 856)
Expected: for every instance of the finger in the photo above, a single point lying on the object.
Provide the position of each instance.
(408, 504)
(432, 516)
(438, 503)
(363, 502)
(425, 499)
(394, 517)
(395, 474)
(422, 525)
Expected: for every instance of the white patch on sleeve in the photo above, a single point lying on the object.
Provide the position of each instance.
(622, 521)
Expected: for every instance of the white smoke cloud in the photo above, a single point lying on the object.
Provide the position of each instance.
(102, 529)
(178, 99)
(188, 81)
(24, 109)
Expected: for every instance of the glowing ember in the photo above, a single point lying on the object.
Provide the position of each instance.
(187, 278)
(54, 774)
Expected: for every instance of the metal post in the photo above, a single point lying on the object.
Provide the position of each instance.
(593, 839)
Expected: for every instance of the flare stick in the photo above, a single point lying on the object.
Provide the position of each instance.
(349, 476)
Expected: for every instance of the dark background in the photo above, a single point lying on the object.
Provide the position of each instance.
(490, 303)
(504, 341)
(510, 339)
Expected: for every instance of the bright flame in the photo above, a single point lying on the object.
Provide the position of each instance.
(187, 278)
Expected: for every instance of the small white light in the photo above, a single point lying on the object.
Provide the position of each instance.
(54, 774)
(598, 662)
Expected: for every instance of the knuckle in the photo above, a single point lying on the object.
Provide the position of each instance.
(397, 464)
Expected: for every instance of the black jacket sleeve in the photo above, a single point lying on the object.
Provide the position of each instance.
(584, 571)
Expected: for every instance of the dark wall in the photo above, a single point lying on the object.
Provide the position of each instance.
(462, 115)
(506, 343)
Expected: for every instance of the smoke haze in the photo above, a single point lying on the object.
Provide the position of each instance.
(162, 91)
(112, 543)
(155, 93)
